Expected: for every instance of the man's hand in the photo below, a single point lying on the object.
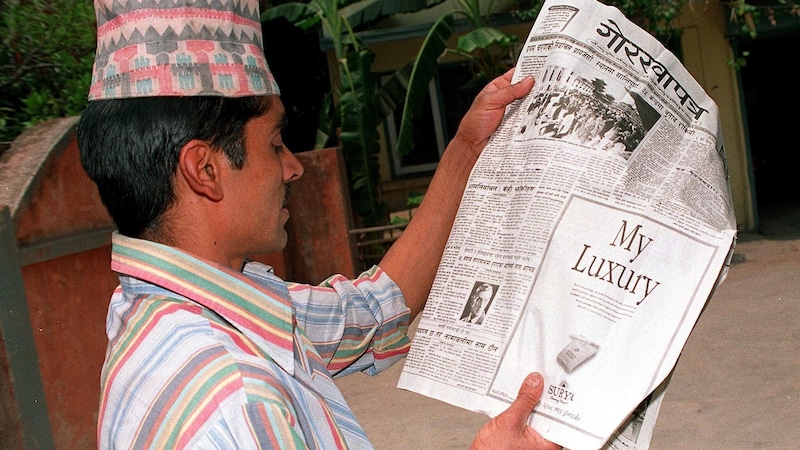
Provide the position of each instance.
(510, 430)
(487, 110)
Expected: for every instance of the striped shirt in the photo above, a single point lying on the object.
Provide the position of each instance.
(200, 356)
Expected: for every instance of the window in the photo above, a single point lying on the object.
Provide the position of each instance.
(428, 137)
(445, 104)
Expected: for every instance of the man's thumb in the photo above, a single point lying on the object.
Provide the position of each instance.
(528, 397)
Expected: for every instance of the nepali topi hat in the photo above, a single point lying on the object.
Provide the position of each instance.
(149, 48)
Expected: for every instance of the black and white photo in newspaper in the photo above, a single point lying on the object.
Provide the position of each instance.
(596, 225)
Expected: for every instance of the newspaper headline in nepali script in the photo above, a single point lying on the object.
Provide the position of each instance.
(593, 230)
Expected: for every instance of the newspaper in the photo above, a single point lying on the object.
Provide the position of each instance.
(593, 230)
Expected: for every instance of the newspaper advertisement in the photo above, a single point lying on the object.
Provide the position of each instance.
(593, 230)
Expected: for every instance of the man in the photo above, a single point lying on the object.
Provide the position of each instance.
(206, 349)
(475, 311)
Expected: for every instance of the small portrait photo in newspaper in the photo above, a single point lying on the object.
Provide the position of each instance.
(478, 303)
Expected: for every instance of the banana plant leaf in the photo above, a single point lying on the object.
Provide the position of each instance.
(393, 90)
(482, 38)
(425, 66)
(365, 12)
(357, 13)
(424, 69)
(301, 15)
(360, 118)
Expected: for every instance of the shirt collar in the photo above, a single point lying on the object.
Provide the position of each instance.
(260, 310)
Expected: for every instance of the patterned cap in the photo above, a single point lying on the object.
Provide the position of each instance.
(154, 48)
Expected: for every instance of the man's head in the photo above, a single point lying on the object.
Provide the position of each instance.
(477, 304)
(481, 297)
(183, 132)
(131, 147)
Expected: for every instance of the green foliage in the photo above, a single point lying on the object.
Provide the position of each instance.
(359, 136)
(398, 220)
(489, 51)
(360, 107)
(424, 69)
(739, 62)
(45, 61)
(748, 16)
(414, 199)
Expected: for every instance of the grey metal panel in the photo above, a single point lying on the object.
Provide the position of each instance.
(15, 330)
(70, 245)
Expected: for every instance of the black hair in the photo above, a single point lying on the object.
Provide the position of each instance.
(130, 148)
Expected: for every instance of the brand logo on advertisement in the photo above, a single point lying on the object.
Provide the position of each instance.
(560, 394)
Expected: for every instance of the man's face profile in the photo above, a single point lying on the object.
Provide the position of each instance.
(477, 303)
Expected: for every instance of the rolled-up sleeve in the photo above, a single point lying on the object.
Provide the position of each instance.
(355, 325)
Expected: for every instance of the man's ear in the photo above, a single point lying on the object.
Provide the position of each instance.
(198, 165)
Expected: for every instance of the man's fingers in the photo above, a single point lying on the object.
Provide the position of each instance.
(504, 93)
(529, 394)
(503, 80)
(522, 87)
(509, 430)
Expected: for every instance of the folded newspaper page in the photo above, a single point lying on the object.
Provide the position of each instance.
(593, 230)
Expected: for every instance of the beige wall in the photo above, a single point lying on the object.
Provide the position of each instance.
(706, 53)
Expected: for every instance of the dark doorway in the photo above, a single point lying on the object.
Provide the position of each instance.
(301, 70)
(771, 102)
